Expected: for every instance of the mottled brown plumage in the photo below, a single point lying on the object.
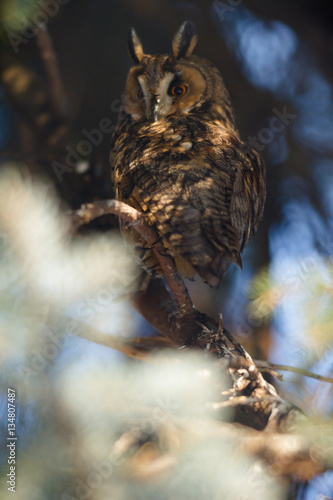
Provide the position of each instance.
(177, 157)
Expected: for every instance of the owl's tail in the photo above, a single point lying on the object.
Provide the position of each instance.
(214, 272)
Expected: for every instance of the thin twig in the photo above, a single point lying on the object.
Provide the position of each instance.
(300, 371)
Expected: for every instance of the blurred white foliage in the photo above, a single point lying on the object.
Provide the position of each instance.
(43, 273)
(167, 401)
(56, 270)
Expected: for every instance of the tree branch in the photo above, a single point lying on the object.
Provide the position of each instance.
(180, 322)
(267, 365)
(48, 54)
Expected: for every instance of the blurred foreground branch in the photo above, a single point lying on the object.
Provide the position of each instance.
(283, 454)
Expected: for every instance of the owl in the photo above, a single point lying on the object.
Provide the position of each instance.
(178, 159)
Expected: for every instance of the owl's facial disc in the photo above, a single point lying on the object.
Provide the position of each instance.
(155, 94)
(157, 101)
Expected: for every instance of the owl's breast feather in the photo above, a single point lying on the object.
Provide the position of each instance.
(200, 187)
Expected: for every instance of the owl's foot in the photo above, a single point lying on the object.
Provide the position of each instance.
(146, 248)
(216, 340)
(143, 250)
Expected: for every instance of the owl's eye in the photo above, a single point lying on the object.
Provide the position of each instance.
(178, 90)
(140, 94)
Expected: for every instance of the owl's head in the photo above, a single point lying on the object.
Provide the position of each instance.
(163, 85)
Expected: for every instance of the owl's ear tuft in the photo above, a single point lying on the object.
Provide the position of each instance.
(184, 40)
(135, 47)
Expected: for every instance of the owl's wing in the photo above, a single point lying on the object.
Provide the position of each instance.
(230, 197)
(240, 210)
(248, 191)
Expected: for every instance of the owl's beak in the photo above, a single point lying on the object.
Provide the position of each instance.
(154, 109)
(156, 115)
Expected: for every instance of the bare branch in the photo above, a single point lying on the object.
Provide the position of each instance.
(263, 365)
(49, 57)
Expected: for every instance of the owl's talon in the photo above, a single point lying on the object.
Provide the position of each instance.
(142, 250)
(157, 241)
(165, 254)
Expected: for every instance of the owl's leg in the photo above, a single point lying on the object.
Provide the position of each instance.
(146, 248)
(142, 251)
(165, 254)
(159, 240)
